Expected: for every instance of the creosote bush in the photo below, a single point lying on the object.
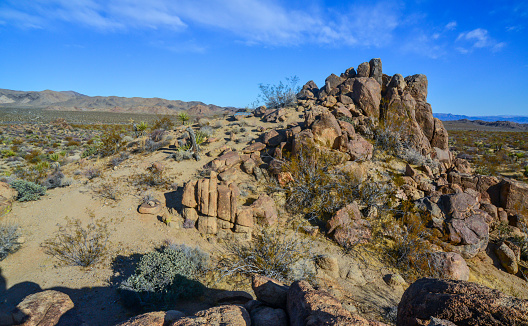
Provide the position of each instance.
(165, 275)
(9, 234)
(76, 245)
(280, 95)
(271, 253)
(411, 251)
(27, 190)
(320, 189)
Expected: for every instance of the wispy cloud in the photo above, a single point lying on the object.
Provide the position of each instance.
(451, 26)
(270, 22)
(478, 38)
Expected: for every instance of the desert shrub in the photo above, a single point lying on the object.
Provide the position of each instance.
(164, 123)
(183, 117)
(151, 178)
(7, 153)
(320, 189)
(76, 245)
(108, 190)
(111, 143)
(115, 161)
(34, 156)
(27, 190)
(165, 275)
(54, 180)
(202, 122)
(90, 151)
(411, 251)
(207, 131)
(92, 173)
(157, 134)
(271, 253)
(140, 128)
(73, 143)
(9, 234)
(280, 95)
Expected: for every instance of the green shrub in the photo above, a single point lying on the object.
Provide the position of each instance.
(164, 123)
(111, 143)
(163, 276)
(9, 235)
(78, 246)
(89, 151)
(28, 190)
(280, 95)
(271, 253)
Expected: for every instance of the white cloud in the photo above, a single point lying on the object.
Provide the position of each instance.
(480, 38)
(451, 26)
(252, 21)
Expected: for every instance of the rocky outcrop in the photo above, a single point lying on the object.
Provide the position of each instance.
(462, 303)
(397, 102)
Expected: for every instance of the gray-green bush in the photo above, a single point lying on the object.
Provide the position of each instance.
(27, 190)
(280, 95)
(165, 275)
(9, 234)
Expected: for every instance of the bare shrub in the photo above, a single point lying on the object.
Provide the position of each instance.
(164, 123)
(280, 95)
(320, 189)
(78, 246)
(108, 190)
(412, 252)
(271, 253)
(9, 234)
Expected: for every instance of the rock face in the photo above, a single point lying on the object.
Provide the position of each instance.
(44, 308)
(462, 303)
(309, 307)
(156, 318)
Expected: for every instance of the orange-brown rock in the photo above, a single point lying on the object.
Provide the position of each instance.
(462, 303)
(43, 308)
(189, 194)
(224, 202)
(231, 315)
(213, 194)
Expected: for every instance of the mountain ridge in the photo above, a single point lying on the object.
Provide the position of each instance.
(74, 101)
(492, 118)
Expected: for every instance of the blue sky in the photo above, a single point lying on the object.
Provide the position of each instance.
(475, 53)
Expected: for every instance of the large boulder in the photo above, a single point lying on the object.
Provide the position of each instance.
(326, 130)
(508, 255)
(270, 291)
(375, 70)
(514, 195)
(310, 307)
(450, 265)
(359, 148)
(462, 303)
(417, 86)
(44, 308)
(367, 95)
(156, 318)
(232, 315)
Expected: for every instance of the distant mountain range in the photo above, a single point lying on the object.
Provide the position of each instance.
(493, 118)
(73, 101)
